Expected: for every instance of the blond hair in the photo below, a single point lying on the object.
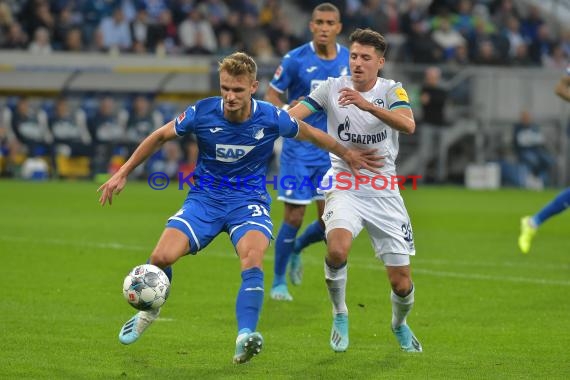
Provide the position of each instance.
(239, 64)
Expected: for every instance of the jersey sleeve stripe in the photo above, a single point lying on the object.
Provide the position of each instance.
(276, 88)
(175, 131)
(399, 105)
(311, 104)
(298, 130)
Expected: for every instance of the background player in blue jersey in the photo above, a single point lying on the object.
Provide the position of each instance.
(235, 135)
(300, 72)
(530, 224)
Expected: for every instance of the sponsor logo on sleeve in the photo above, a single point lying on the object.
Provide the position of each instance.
(278, 72)
(402, 95)
(181, 117)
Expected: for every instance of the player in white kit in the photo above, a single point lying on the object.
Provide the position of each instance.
(366, 111)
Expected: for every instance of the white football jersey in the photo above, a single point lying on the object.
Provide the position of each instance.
(357, 129)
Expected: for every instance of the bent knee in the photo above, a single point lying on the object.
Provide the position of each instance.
(294, 215)
(252, 258)
(402, 285)
(295, 220)
(337, 255)
(162, 259)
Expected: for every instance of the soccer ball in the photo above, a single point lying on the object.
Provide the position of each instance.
(146, 287)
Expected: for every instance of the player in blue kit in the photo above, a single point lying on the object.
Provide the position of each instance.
(235, 135)
(300, 72)
(531, 224)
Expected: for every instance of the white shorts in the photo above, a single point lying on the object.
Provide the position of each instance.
(385, 219)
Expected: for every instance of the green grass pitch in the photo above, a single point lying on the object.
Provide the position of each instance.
(483, 310)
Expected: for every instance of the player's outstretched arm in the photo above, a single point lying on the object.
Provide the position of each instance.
(563, 86)
(299, 111)
(401, 119)
(147, 147)
(356, 159)
(274, 97)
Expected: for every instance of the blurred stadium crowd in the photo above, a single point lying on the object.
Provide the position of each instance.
(496, 32)
(84, 136)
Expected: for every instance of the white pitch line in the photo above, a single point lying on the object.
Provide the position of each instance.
(477, 276)
(88, 244)
(160, 319)
(484, 264)
(468, 276)
(354, 262)
(511, 264)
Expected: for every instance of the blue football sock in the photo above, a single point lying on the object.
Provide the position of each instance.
(283, 247)
(167, 271)
(556, 206)
(313, 234)
(249, 300)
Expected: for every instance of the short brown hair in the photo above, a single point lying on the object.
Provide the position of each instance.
(238, 64)
(369, 37)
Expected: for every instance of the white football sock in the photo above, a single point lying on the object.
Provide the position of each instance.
(401, 307)
(146, 317)
(336, 284)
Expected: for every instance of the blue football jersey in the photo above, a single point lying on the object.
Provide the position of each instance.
(233, 154)
(300, 72)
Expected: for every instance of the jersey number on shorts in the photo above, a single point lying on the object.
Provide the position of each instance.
(258, 210)
(407, 230)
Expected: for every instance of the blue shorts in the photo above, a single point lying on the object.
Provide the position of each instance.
(202, 218)
(298, 184)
